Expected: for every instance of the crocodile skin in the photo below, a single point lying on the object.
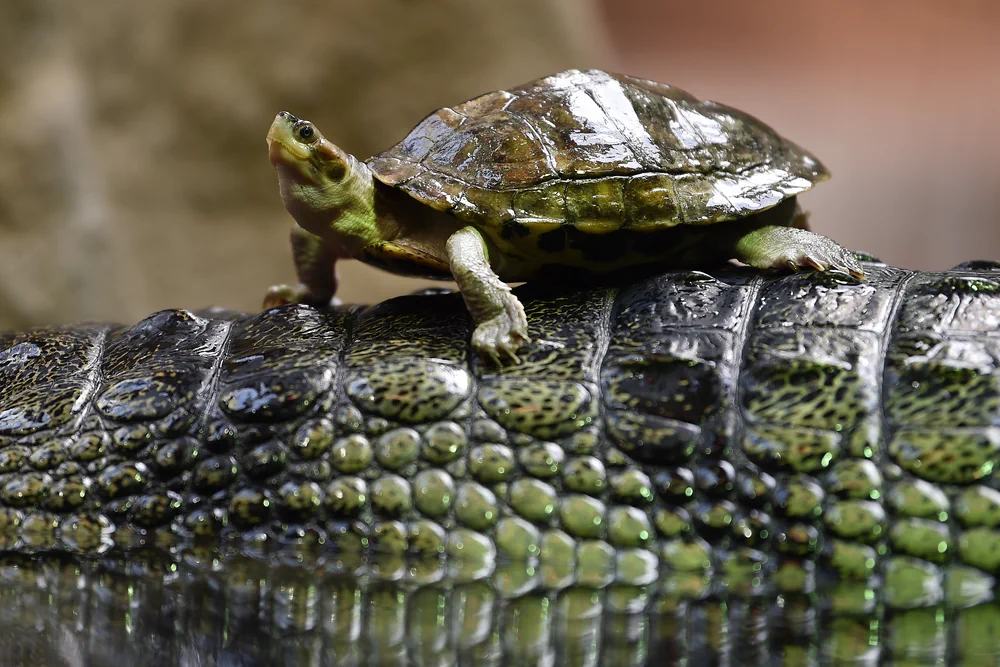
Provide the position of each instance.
(708, 436)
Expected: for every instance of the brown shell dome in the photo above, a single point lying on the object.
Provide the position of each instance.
(598, 150)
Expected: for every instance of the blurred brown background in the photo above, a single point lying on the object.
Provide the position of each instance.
(133, 170)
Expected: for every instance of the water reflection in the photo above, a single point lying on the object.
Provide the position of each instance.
(206, 608)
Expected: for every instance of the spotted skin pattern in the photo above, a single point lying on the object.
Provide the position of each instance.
(683, 425)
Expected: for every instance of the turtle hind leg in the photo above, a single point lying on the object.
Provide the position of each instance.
(800, 220)
(501, 325)
(315, 265)
(775, 247)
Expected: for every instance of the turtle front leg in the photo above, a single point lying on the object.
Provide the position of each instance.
(501, 326)
(315, 265)
(774, 247)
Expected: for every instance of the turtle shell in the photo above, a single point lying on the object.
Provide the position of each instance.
(599, 151)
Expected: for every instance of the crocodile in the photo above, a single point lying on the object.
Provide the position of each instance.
(702, 434)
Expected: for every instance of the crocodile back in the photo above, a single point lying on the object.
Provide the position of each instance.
(712, 434)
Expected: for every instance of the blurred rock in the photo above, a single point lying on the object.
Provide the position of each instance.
(134, 175)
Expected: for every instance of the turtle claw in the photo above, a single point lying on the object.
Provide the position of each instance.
(841, 261)
(499, 337)
(283, 295)
(815, 263)
(796, 249)
(838, 260)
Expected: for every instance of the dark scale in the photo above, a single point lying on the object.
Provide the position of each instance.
(265, 460)
(796, 539)
(176, 456)
(122, 479)
(220, 435)
(178, 422)
(25, 490)
(755, 487)
(205, 522)
(156, 509)
(675, 485)
(716, 478)
(119, 509)
(215, 473)
(50, 455)
(713, 519)
(753, 529)
(13, 457)
(633, 487)
(67, 469)
(66, 495)
(129, 439)
(250, 507)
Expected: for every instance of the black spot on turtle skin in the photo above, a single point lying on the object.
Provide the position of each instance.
(552, 242)
(659, 242)
(612, 246)
(512, 228)
(597, 247)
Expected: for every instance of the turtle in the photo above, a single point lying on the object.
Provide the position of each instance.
(581, 173)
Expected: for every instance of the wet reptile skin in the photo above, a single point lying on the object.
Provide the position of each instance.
(674, 456)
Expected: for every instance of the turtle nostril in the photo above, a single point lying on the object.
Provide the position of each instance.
(290, 117)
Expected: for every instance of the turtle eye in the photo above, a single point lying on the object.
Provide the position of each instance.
(306, 133)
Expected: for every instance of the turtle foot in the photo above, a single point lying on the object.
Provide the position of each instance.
(282, 295)
(797, 250)
(499, 337)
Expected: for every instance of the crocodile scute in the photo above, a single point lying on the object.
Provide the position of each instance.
(752, 427)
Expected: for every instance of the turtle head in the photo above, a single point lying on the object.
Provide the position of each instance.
(299, 151)
(327, 191)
